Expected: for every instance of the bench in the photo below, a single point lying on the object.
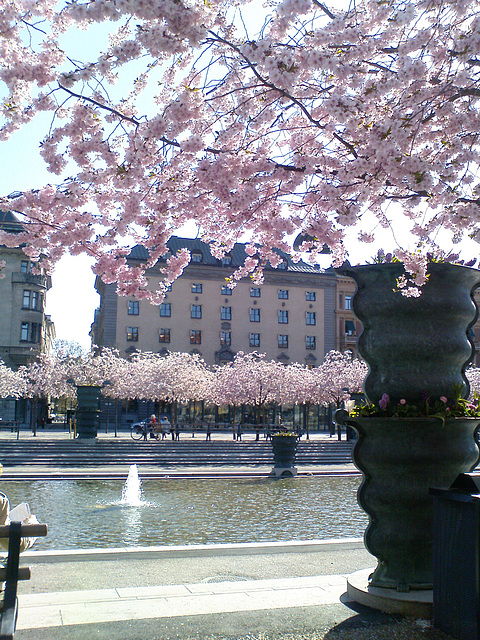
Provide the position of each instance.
(12, 573)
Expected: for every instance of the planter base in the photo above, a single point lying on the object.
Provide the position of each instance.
(418, 604)
(283, 472)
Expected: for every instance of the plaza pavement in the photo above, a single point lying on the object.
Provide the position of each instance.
(230, 591)
(193, 592)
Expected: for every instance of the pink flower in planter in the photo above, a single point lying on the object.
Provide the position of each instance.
(384, 400)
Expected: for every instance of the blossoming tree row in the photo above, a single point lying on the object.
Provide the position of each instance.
(181, 377)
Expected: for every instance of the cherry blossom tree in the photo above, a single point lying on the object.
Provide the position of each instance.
(327, 122)
(337, 378)
(252, 380)
(46, 377)
(12, 383)
(56, 375)
(176, 377)
(301, 388)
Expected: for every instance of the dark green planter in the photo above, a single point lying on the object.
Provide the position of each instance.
(87, 414)
(400, 460)
(414, 347)
(418, 345)
(284, 451)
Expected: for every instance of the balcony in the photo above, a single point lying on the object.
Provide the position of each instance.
(40, 281)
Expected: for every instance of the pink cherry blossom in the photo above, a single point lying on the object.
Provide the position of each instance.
(307, 119)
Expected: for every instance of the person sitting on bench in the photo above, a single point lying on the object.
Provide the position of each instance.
(25, 543)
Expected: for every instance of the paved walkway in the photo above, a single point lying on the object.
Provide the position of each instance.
(59, 432)
(189, 592)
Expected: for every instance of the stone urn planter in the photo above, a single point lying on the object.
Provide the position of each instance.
(400, 460)
(417, 350)
(88, 412)
(284, 453)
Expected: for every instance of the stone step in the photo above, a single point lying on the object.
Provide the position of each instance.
(174, 453)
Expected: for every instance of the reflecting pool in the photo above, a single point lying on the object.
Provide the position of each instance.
(90, 513)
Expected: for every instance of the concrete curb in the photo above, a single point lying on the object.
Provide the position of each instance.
(193, 550)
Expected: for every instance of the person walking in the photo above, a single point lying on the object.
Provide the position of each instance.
(239, 431)
(177, 431)
(208, 431)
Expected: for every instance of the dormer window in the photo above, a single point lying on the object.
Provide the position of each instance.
(197, 256)
(226, 260)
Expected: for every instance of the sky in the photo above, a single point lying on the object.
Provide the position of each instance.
(72, 300)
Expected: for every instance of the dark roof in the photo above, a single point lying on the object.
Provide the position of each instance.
(9, 222)
(238, 255)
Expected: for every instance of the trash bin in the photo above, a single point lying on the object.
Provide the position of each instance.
(456, 561)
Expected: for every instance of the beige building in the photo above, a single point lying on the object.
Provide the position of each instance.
(25, 329)
(290, 317)
(347, 327)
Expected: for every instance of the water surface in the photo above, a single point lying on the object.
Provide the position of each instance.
(89, 513)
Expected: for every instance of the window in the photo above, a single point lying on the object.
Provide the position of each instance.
(311, 296)
(197, 256)
(283, 294)
(311, 318)
(349, 328)
(226, 260)
(254, 339)
(226, 313)
(195, 336)
(132, 334)
(31, 300)
(196, 311)
(164, 335)
(254, 315)
(133, 308)
(225, 338)
(196, 288)
(348, 302)
(36, 300)
(25, 266)
(282, 341)
(283, 265)
(165, 310)
(310, 342)
(25, 331)
(283, 316)
(30, 332)
(255, 292)
(226, 291)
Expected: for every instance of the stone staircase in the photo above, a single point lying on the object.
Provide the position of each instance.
(167, 453)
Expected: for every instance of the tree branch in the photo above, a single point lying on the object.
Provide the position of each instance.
(100, 105)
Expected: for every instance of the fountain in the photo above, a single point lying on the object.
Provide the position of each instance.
(132, 489)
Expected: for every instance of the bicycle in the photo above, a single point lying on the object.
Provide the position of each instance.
(138, 431)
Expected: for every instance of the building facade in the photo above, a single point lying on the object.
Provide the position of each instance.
(290, 317)
(25, 329)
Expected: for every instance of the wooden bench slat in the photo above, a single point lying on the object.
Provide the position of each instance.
(28, 530)
(24, 573)
(12, 572)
